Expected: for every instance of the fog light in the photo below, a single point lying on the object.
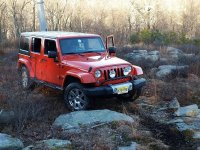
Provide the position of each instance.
(112, 73)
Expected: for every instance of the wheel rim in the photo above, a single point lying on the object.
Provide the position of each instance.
(24, 79)
(77, 99)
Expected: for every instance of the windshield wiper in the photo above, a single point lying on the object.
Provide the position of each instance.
(92, 52)
(73, 53)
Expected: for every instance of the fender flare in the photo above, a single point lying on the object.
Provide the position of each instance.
(137, 70)
(84, 77)
(27, 64)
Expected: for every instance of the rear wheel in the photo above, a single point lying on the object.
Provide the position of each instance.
(26, 81)
(75, 97)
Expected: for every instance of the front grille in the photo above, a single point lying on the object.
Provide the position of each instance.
(119, 73)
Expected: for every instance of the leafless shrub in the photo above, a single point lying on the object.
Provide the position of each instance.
(21, 102)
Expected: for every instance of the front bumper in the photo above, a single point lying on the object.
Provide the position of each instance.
(109, 89)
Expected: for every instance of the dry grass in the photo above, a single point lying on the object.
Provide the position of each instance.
(36, 110)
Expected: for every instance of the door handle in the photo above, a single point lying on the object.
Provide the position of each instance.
(32, 57)
(43, 60)
(59, 65)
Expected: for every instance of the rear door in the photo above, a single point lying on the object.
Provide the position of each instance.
(36, 48)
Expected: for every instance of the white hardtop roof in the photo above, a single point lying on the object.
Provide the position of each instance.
(56, 34)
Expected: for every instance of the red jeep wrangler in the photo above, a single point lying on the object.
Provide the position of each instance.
(79, 64)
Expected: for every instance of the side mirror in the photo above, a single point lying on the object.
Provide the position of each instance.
(112, 50)
(52, 54)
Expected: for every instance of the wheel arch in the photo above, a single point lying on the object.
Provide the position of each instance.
(80, 77)
(69, 79)
(26, 64)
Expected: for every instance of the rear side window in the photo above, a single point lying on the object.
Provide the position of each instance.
(24, 43)
(36, 45)
(50, 45)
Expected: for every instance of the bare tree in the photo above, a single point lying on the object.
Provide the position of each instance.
(3, 34)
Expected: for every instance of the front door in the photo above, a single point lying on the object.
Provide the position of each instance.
(51, 65)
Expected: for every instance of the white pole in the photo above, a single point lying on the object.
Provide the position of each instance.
(41, 15)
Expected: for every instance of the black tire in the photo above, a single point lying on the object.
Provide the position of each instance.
(130, 96)
(75, 97)
(26, 81)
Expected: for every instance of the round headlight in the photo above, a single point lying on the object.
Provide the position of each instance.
(127, 70)
(112, 73)
(98, 74)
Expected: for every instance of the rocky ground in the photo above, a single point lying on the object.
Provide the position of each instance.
(164, 117)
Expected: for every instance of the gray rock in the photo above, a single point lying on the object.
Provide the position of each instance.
(174, 51)
(154, 53)
(188, 111)
(198, 148)
(177, 55)
(6, 117)
(50, 144)
(133, 146)
(164, 61)
(196, 135)
(189, 55)
(169, 71)
(174, 121)
(77, 119)
(28, 147)
(198, 116)
(144, 57)
(143, 52)
(193, 125)
(174, 104)
(153, 56)
(9, 143)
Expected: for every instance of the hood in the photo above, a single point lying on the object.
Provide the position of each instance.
(84, 63)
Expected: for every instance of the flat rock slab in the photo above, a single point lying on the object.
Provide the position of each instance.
(133, 146)
(7, 142)
(51, 144)
(75, 120)
(187, 111)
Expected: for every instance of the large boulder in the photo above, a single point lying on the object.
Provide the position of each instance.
(177, 55)
(143, 57)
(75, 120)
(172, 50)
(50, 144)
(9, 143)
(171, 71)
(174, 53)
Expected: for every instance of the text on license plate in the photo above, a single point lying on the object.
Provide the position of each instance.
(122, 90)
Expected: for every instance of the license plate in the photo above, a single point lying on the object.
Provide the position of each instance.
(122, 90)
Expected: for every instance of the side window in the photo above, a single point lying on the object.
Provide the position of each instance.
(36, 45)
(50, 45)
(24, 43)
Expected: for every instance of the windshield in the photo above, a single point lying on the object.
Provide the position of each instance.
(81, 45)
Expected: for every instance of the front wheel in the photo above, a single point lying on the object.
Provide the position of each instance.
(75, 97)
(130, 96)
